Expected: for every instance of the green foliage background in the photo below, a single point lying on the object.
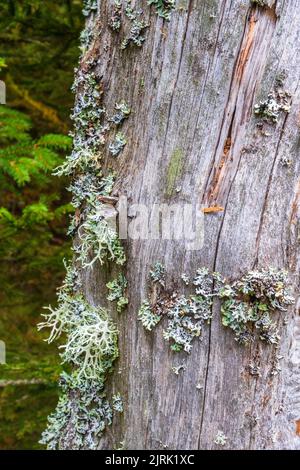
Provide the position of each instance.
(38, 51)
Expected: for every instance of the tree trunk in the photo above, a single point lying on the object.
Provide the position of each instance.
(193, 137)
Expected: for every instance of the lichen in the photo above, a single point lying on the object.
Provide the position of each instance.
(158, 273)
(99, 240)
(89, 7)
(117, 289)
(123, 111)
(81, 415)
(220, 439)
(118, 144)
(90, 346)
(277, 101)
(249, 303)
(185, 315)
(136, 34)
(117, 403)
(116, 17)
(163, 7)
(246, 307)
(148, 318)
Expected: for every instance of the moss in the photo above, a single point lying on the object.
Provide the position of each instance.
(174, 170)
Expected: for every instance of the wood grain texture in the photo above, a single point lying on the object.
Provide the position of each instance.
(192, 88)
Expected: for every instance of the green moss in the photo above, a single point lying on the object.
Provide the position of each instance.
(174, 170)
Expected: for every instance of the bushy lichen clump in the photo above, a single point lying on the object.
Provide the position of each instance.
(91, 349)
(163, 7)
(99, 240)
(117, 289)
(246, 307)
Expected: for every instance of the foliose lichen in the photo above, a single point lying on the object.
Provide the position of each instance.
(246, 307)
(118, 144)
(163, 7)
(117, 289)
(117, 403)
(116, 17)
(220, 439)
(81, 415)
(277, 101)
(136, 34)
(89, 7)
(123, 111)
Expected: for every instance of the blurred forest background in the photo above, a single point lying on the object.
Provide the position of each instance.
(38, 53)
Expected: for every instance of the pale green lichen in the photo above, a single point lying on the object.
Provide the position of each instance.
(136, 34)
(118, 144)
(117, 289)
(116, 17)
(157, 274)
(148, 318)
(117, 403)
(220, 439)
(81, 415)
(269, 110)
(251, 301)
(90, 346)
(246, 307)
(89, 7)
(123, 112)
(98, 238)
(163, 7)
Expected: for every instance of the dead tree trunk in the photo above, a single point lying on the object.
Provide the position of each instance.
(193, 136)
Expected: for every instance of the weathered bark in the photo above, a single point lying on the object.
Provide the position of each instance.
(192, 89)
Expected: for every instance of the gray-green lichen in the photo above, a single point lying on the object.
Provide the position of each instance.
(90, 348)
(122, 113)
(116, 17)
(247, 306)
(89, 7)
(136, 34)
(163, 7)
(117, 289)
(277, 101)
(185, 315)
(118, 144)
(90, 336)
(117, 403)
(81, 415)
(220, 439)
